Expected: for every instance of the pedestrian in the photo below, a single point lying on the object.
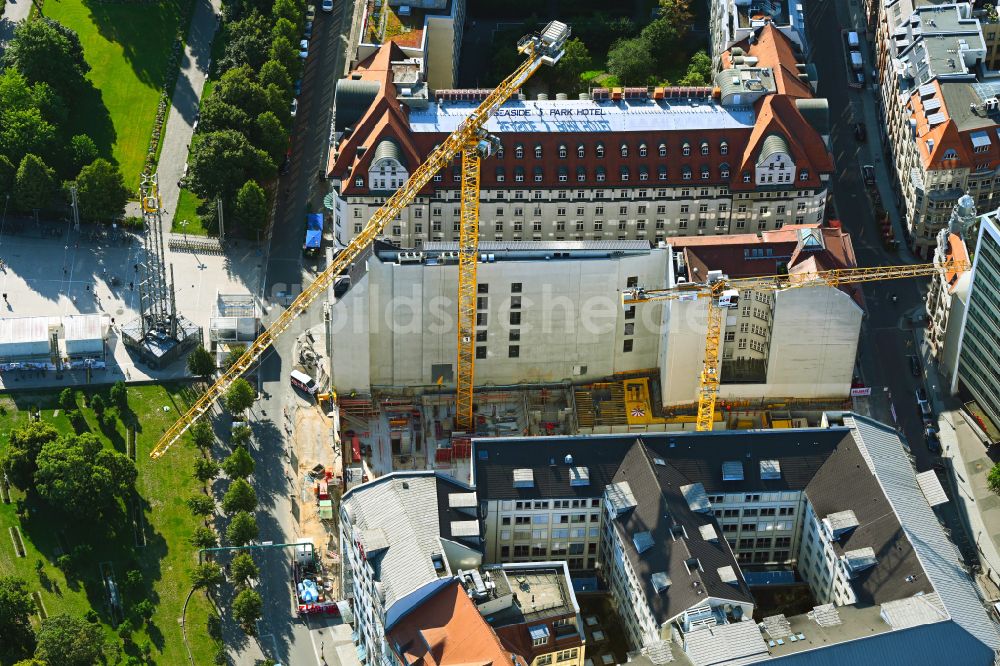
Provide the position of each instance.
(130, 287)
(5, 296)
(88, 287)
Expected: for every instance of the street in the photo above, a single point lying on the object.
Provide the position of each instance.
(281, 636)
(887, 335)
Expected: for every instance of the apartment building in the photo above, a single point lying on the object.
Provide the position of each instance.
(545, 312)
(948, 294)
(399, 534)
(794, 342)
(977, 374)
(632, 164)
(939, 98)
(884, 577)
(733, 21)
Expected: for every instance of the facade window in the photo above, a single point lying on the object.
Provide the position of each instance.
(746, 176)
(581, 151)
(538, 152)
(627, 346)
(642, 150)
(562, 151)
(704, 148)
(624, 150)
(686, 149)
(724, 148)
(359, 182)
(663, 150)
(600, 150)
(513, 351)
(519, 151)
(480, 352)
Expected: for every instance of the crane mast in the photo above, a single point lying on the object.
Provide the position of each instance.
(719, 291)
(544, 48)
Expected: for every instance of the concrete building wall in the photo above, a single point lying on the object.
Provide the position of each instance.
(539, 321)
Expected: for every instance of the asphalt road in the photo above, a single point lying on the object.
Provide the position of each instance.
(282, 636)
(887, 333)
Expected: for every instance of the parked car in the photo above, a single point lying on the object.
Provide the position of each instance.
(860, 133)
(286, 164)
(311, 12)
(304, 49)
(327, 6)
(915, 368)
(308, 33)
(923, 404)
(859, 78)
(298, 87)
(295, 107)
(867, 172)
(931, 440)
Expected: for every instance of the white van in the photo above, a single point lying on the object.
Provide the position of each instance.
(303, 382)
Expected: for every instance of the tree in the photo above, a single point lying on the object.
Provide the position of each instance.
(82, 151)
(69, 641)
(109, 419)
(7, 172)
(201, 433)
(25, 131)
(222, 161)
(34, 184)
(993, 479)
(119, 395)
(218, 115)
(47, 51)
(101, 190)
(677, 13)
(233, 355)
(699, 72)
(17, 640)
(250, 209)
(77, 474)
(284, 51)
(242, 529)
(240, 436)
(238, 464)
(97, 404)
(246, 610)
(247, 42)
(242, 568)
(145, 609)
(284, 28)
(630, 61)
(67, 399)
(239, 88)
(201, 505)
(565, 76)
(205, 469)
(291, 10)
(662, 43)
(200, 362)
(240, 497)
(240, 396)
(203, 537)
(19, 461)
(270, 133)
(273, 72)
(206, 574)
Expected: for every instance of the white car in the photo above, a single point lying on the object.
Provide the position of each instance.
(295, 107)
(327, 6)
(304, 49)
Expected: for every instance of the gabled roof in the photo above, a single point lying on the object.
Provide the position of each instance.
(774, 49)
(446, 629)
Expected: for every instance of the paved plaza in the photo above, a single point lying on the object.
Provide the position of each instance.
(74, 273)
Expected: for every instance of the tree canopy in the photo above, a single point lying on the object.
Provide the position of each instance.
(101, 191)
(77, 474)
(200, 362)
(222, 161)
(242, 568)
(240, 396)
(242, 529)
(69, 641)
(240, 497)
(246, 609)
(45, 50)
(250, 210)
(238, 464)
(17, 640)
(19, 461)
(34, 184)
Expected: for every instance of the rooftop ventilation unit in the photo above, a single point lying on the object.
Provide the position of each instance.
(524, 478)
(708, 532)
(728, 575)
(839, 523)
(568, 459)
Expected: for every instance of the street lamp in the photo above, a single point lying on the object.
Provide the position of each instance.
(184, 226)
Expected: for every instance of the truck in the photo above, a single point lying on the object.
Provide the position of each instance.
(310, 584)
(314, 234)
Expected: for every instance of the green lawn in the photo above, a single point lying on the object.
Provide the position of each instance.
(165, 560)
(187, 209)
(127, 46)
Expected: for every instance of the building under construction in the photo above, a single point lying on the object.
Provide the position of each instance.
(160, 335)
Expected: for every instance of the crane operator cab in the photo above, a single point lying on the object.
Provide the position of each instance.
(729, 298)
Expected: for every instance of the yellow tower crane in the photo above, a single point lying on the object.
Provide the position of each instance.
(724, 294)
(473, 143)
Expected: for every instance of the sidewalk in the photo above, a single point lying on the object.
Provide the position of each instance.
(184, 103)
(14, 12)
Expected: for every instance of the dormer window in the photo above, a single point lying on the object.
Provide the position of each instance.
(662, 173)
(519, 174)
(686, 149)
(581, 174)
(580, 151)
(624, 150)
(519, 151)
(538, 152)
(746, 176)
(500, 153)
(624, 173)
(562, 151)
(686, 173)
(950, 154)
(724, 148)
(538, 174)
(704, 148)
(643, 173)
(359, 182)
(642, 150)
(600, 150)
(804, 174)
(663, 150)
(724, 170)
(704, 173)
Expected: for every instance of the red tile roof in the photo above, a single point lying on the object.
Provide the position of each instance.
(446, 629)
(774, 49)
